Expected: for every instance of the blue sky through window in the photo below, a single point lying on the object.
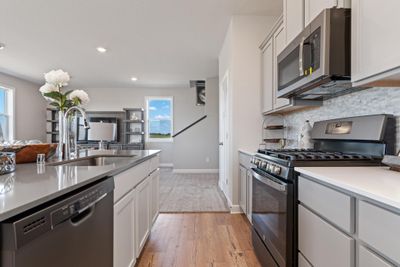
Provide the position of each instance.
(160, 118)
(2, 100)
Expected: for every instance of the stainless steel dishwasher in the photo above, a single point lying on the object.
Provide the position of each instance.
(73, 231)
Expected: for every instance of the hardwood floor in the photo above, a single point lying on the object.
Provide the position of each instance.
(199, 239)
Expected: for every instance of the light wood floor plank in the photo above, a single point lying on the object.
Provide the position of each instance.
(199, 239)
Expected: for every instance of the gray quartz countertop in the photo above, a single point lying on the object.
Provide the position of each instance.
(31, 185)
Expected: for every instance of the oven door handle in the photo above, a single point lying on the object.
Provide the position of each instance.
(277, 185)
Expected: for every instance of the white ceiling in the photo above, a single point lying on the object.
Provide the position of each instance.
(162, 42)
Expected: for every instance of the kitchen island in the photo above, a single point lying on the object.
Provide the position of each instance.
(32, 186)
(134, 204)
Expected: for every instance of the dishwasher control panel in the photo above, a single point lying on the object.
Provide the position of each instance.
(71, 209)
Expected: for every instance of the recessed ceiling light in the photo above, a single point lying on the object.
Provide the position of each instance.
(2, 46)
(134, 79)
(101, 49)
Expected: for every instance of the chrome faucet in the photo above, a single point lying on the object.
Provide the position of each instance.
(66, 137)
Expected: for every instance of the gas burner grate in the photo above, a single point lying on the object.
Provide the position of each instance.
(311, 154)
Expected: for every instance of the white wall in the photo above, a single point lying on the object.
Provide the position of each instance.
(197, 148)
(190, 149)
(240, 55)
(30, 108)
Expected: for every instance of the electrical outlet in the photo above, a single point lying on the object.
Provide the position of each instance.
(207, 159)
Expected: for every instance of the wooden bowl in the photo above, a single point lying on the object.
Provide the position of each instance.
(28, 153)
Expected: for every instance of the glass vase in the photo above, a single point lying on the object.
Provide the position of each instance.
(61, 133)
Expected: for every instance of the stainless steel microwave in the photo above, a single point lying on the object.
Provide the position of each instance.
(316, 64)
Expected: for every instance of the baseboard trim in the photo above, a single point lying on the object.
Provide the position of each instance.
(166, 165)
(195, 171)
(235, 209)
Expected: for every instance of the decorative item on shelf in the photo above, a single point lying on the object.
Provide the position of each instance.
(134, 117)
(61, 101)
(273, 132)
(392, 161)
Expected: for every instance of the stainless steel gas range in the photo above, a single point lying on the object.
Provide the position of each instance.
(356, 141)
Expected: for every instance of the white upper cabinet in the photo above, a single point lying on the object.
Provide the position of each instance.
(313, 7)
(267, 77)
(293, 18)
(375, 42)
(279, 43)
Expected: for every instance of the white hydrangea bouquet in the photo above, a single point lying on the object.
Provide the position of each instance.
(51, 91)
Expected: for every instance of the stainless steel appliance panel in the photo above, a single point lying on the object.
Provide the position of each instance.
(369, 128)
(317, 62)
(273, 215)
(77, 231)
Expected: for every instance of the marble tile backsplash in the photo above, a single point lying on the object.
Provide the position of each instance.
(366, 102)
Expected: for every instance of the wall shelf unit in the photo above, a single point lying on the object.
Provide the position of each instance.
(134, 127)
(131, 128)
(51, 125)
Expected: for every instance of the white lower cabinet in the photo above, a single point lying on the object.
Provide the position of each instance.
(366, 258)
(143, 204)
(321, 243)
(136, 207)
(380, 229)
(124, 231)
(249, 195)
(243, 189)
(302, 261)
(155, 195)
(327, 234)
(245, 184)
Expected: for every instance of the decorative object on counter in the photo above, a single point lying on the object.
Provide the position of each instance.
(6, 183)
(40, 159)
(27, 153)
(7, 162)
(392, 161)
(304, 141)
(62, 101)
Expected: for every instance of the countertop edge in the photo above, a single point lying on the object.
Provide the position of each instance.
(351, 189)
(246, 152)
(11, 213)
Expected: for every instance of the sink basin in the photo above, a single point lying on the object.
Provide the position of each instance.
(92, 161)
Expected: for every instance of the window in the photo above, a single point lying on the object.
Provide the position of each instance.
(159, 112)
(6, 114)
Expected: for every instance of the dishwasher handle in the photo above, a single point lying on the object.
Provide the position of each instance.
(76, 212)
(86, 212)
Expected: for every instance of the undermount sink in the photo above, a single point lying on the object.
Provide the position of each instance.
(92, 161)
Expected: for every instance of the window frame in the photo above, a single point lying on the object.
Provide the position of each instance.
(147, 135)
(10, 110)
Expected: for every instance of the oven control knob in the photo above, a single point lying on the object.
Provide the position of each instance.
(270, 167)
(263, 165)
(277, 170)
